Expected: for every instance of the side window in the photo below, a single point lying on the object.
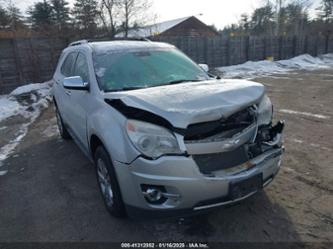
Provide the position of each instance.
(81, 68)
(66, 68)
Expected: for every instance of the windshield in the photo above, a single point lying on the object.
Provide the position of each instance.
(135, 70)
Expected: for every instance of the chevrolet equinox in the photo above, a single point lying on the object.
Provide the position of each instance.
(166, 137)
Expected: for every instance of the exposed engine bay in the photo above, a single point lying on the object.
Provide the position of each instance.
(238, 139)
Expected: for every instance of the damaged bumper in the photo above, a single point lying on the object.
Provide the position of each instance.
(187, 187)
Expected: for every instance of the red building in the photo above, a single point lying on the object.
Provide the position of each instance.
(187, 26)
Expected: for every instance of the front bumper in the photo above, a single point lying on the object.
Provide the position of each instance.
(181, 177)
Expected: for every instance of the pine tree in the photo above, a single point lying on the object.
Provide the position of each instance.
(85, 13)
(262, 20)
(326, 11)
(244, 23)
(4, 18)
(296, 18)
(60, 14)
(15, 17)
(41, 15)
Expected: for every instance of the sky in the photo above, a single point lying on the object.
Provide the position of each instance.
(218, 12)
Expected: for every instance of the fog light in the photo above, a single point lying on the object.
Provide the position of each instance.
(153, 194)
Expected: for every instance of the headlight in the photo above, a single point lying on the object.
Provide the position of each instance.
(265, 111)
(152, 140)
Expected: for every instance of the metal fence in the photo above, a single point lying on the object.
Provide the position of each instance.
(25, 60)
(225, 51)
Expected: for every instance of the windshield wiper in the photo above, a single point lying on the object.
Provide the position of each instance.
(174, 82)
(125, 89)
(181, 81)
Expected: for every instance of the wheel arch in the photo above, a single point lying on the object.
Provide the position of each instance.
(54, 101)
(94, 142)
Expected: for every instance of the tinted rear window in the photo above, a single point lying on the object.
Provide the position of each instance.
(81, 68)
(67, 66)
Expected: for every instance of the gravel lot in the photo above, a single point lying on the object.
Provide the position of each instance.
(50, 192)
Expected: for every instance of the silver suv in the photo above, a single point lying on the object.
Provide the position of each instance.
(167, 138)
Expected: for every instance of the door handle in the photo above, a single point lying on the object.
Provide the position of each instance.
(69, 93)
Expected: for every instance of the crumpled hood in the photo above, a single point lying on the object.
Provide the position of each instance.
(191, 103)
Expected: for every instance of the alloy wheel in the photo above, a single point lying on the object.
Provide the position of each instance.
(104, 182)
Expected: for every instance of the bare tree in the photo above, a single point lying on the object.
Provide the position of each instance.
(283, 9)
(109, 14)
(134, 13)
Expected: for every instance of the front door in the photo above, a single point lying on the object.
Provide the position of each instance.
(63, 95)
(79, 101)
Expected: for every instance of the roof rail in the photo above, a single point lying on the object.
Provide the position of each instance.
(138, 38)
(80, 42)
(76, 43)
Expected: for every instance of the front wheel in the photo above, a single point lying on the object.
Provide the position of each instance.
(108, 183)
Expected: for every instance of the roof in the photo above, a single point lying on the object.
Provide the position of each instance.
(128, 46)
(154, 29)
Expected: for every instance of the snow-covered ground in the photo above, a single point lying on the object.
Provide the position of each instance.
(25, 102)
(253, 69)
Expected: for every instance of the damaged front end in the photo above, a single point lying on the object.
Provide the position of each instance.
(212, 163)
(233, 145)
(227, 146)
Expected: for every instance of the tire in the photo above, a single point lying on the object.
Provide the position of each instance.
(108, 183)
(61, 127)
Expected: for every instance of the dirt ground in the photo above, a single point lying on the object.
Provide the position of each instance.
(50, 192)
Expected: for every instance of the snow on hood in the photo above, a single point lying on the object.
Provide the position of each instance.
(191, 103)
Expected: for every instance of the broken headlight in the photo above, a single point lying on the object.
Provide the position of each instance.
(265, 111)
(152, 140)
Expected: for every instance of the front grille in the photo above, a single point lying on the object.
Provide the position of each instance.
(216, 133)
(213, 162)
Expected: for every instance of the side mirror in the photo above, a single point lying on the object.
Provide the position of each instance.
(205, 67)
(75, 83)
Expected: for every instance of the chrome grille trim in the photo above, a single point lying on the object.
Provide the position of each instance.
(229, 144)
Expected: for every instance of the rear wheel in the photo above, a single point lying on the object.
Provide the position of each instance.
(108, 183)
(61, 127)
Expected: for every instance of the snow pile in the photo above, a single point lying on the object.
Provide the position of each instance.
(8, 107)
(303, 62)
(26, 101)
(328, 59)
(252, 69)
